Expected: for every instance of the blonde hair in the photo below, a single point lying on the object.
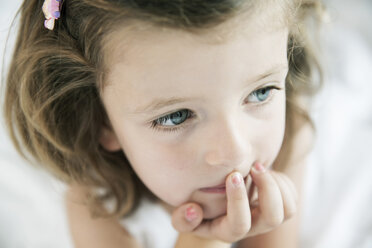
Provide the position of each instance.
(53, 109)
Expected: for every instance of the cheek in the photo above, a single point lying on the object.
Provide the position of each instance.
(272, 133)
(165, 170)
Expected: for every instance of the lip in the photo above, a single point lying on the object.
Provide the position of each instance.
(219, 189)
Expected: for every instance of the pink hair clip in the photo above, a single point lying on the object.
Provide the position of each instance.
(51, 10)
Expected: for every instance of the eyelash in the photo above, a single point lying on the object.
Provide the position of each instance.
(190, 115)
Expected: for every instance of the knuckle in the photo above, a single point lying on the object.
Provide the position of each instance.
(236, 235)
(240, 230)
(275, 221)
(289, 213)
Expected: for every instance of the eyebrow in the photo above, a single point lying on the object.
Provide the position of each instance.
(159, 103)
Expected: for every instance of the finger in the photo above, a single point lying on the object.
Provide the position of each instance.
(237, 222)
(238, 212)
(289, 202)
(292, 186)
(249, 185)
(187, 217)
(269, 196)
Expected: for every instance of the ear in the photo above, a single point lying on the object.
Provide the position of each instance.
(109, 140)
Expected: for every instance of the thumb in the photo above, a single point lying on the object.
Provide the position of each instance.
(187, 217)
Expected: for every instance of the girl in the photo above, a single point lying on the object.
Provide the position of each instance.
(194, 107)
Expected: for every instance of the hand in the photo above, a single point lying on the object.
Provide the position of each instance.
(245, 217)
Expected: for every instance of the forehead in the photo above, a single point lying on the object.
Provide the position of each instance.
(148, 63)
(129, 36)
(162, 65)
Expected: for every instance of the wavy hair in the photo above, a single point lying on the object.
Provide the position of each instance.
(52, 104)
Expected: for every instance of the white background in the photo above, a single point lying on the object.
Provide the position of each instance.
(338, 187)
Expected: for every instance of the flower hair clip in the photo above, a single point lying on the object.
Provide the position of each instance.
(51, 10)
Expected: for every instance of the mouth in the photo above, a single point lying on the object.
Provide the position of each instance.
(219, 189)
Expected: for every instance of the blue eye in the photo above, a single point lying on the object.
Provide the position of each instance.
(173, 119)
(261, 94)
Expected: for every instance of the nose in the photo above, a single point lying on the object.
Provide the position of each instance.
(227, 145)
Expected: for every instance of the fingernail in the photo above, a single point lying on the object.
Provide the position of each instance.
(190, 214)
(259, 168)
(236, 179)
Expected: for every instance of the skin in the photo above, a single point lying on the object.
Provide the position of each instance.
(231, 128)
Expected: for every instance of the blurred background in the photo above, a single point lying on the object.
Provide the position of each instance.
(338, 185)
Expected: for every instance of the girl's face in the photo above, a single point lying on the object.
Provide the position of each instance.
(187, 112)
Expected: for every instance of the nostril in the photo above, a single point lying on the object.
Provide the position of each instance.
(225, 160)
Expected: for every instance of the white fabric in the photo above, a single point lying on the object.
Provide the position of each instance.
(338, 187)
(32, 213)
(151, 226)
